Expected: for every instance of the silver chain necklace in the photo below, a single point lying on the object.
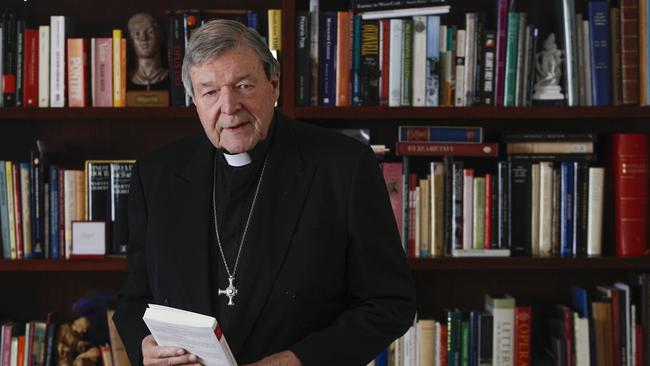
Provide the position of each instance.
(231, 290)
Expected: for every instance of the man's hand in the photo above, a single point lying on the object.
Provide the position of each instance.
(286, 358)
(153, 355)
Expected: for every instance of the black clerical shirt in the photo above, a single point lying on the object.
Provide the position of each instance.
(235, 188)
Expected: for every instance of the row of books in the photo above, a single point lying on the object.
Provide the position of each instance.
(605, 326)
(44, 343)
(358, 60)
(47, 66)
(39, 201)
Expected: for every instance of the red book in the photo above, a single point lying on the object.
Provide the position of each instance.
(393, 177)
(523, 315)
(443, 345)
(638, 334)
(385, 60)
(446, 149)
(630, 50)
(30, 69)
(101, 50)
(21, 350)
(488, 211)
(18, 212)
(630, 167)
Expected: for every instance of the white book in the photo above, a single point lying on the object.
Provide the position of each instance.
(470, 58)
(57, 60)
(419, 75)
(503, 331)
(461, 253)
(595, 211)
(535, 207)
(28, 345)
(13, 358)
(468, 207)
(425, 342)
(405, 12)
(581, 340)
(196, 333)
(395, 63)
(586, 67)
(545, 208)
(629, 326)
(460, 68)
(44, 66)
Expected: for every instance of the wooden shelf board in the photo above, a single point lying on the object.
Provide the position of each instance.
(526, 263)
(44, 265)
(474, 113)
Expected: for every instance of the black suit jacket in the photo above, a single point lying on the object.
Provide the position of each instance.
(323, 272)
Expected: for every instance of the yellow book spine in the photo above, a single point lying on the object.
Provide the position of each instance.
(117, 69)
(275, 29)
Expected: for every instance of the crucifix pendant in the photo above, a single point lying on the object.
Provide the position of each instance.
(230, 291)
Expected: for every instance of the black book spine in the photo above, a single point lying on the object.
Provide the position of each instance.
(303, 64)
(327, 58)
(520, 208)
(20, 52)
(503, 181)
(479, 52)
(369, 73)
(120, 179)
(582, 208)
(176, 54)
(99, 181)
(485, 339)
(531, 66)
(447, 205)
(494, 213)
(37, 193)
(486, 83)
(9, 50)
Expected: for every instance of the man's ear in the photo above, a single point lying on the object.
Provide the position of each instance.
(275, 82)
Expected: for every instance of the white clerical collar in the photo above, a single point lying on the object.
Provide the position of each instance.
(237, 160)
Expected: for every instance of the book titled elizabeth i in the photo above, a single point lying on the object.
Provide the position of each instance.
(196, 333)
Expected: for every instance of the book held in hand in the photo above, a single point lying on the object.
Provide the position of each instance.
(196, 333)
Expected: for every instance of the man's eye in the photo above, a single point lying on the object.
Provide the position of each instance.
(244, 86)
(209, 93)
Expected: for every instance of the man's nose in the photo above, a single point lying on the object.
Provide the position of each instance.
(229, 101)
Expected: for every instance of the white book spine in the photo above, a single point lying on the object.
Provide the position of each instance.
(586, 67)
(570, 64)
(468, 214)
(395, 63)
(57, 61)
(581, 340)
(437, 209)
(470, 58)
(535, 207)
(44, 66)
(545, 209)
(595, 211)
(503, 336)
(460, 68)
(419, 60)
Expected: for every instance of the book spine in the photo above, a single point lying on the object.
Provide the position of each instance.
(500, 54)
(541, 147)
(54, 212)
(20, 62)
(44, 66)
(534, 209)
(419, 61)
(503, 178)
(478, 212)
(327, 72)
(531, 66)
(566, 20)
(457, 208)
(600, 52)
(11, 209)
(585, 48)
(314, 48)
(440, 134)
(57, 60)
(630, 51)
(406, 80)
(4, 214)
(77, 72)
(176, 54)
(459, 93)
(9, 66)
(546, 209)
(18, 211)
(370, 63)
(37, 205)
(26, 212)
(395, 62)
(303, 69)
(384, 61)
(566, 209)
(489, 185)
(30, 84)
(436, 203)
(471, 23)
(343, 59)
(468, 210)
(522, 39)
(103, 72)
(119, 188)
(615, 56)
(511, 60)
(447, 149)
(118, 71)
(432, 66)
(630, 170)
(63, 191)
(581, 194)
(520, 208)
(595, 211)
(424, 218)
(275, 29)
(523, 331)
(356, 59)
(487, 80)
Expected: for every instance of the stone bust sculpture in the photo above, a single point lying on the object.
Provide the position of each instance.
(547, 65)
(144, 35)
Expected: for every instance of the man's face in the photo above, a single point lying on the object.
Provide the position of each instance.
(234, 99)
(145, 37)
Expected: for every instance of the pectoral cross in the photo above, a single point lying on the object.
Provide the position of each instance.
(230, 291)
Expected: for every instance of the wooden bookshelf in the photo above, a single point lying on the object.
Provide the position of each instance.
(44, 265)
(530, 264)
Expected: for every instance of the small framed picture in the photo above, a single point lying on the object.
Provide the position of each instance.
(88, 240)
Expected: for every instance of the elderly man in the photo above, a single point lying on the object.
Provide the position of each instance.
(283, 231)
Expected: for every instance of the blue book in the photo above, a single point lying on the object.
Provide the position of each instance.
(251, 20)
(440, 134)
(382, 359)
(356, 62)
(474, 322)
(599, 47)
(4, 213)
(566, 209)
(54, 212)
(433, 62)
(327, 62)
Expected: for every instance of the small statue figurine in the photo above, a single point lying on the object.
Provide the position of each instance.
(144, 33)
(72, 348)
(548, 71)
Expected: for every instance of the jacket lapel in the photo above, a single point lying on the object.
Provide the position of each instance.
(191, 194)
(285, 186)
